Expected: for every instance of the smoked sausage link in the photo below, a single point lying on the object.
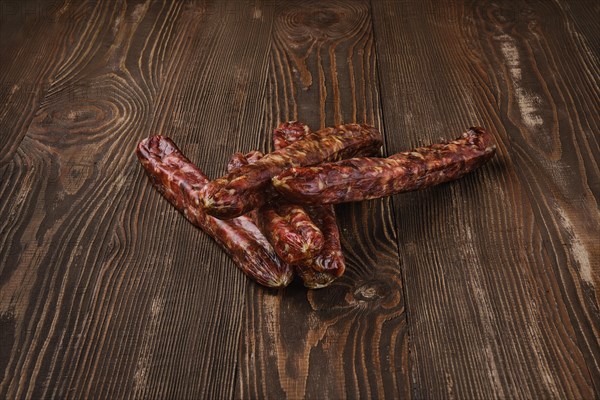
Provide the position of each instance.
(288, 227)
(329, 263)
(367, 178)
(289, 132)
(241, 190)
(330, 259)
(180, 181)
(291, 231)
(240, 159)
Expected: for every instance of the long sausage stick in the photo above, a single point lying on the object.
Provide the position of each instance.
(179, 181)
(367, 178)
(242, 190)
(329, 263)
(288, 227)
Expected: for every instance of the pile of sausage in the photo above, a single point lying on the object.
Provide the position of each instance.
(273, 213)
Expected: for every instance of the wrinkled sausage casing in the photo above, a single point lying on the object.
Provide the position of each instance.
(288, 227)
(290, 132)
(367, 178)
(330, 259)
(241, 190)
(329, 263)
(240, 159)
(179, 181)
(290, 230)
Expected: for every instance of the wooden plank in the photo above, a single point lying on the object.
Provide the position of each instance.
(211, 110)
(502, 267)
(36, 38)
(105, 290)
(349, 340)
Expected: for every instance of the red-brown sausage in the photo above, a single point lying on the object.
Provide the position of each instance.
(331, 259)
(329, 263)
(240, 159)
(288, 227)
(290, 230)
(179, 181)
(366, 178)
(290, 132)
(242, 190)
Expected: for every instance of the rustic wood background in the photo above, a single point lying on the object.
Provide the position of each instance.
(482, 288)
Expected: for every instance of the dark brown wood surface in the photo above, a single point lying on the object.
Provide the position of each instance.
(482, 288)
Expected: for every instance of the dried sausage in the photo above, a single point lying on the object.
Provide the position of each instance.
(366, 178)
(331, 259)
(288, 227)
(241, 190)
(240, 159)
(179, 181)
(290, 132)
(312, 278)
(290, 230)
(329, 263)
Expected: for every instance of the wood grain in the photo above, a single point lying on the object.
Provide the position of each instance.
(501, 267)
(349, 340)
(106, 291)
(481, 288)
(40, 35)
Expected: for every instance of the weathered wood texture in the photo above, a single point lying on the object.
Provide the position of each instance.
(106, 290)
(482, 288)
(501, 267)
(42, 36)
(348, 340)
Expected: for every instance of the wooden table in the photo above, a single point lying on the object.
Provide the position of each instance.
(482, 288)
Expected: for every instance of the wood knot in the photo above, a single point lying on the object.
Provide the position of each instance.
(370, 291)
(68, 121)
(310, 29)
(382, 293)
(72, 116)
(321, 21)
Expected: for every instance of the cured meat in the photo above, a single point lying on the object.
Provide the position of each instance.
(240, 159)
(289, 132)
(330, 259)
(294, 236)
(179, 181)
(288, 227)
(242, 190)
(367, 178)
(329, 263)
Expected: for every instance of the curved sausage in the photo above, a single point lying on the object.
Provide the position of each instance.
(289, 132)
(240, 159)
(179, 181)
(241, 190)
(291, 232)
(367, 178)
(288, 227)
(329, 263)
(330, 259)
